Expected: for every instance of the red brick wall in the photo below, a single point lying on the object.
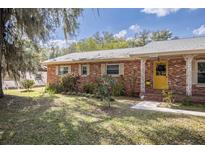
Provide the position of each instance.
(176, 75)
(132, 76)
(176, 81)
(198, 91)
(51, 74)
(131, 71)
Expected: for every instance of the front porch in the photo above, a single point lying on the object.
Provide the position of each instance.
(180, 74)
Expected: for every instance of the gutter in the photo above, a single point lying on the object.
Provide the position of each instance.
(89, 61)
(130, 58)
(168, 53)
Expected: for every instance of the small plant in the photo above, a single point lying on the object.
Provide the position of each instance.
(70, 83)
(118, 87)
(53, 88)
(167, 96)
(89, 88)
(104, 88)
(27, 84)
(187, 101)
(51, 91)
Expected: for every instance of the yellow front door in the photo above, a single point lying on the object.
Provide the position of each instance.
(160, 75)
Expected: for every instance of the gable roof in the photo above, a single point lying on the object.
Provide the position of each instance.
(93, 55)
(169, 46)
(156, 47)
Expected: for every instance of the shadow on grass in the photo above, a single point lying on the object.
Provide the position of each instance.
(34, 122)
(173, 135)
(47, 120)
(19, 102)
(26, 91)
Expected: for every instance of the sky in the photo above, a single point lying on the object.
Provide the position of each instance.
(124, 23)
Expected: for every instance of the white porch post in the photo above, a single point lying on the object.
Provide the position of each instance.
(142, 75)
(188, 60)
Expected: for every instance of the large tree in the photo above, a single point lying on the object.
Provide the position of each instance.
(161, 35)
(142, 38)
(17, 26)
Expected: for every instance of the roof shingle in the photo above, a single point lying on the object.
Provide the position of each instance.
(157, 47)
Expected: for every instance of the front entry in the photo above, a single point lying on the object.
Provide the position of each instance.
(160, 75)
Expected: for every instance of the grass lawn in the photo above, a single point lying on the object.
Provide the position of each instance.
(37, 118)
(182, 106)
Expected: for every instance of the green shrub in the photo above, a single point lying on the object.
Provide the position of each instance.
(187, 101)
(70, 83)
(119, 87)
(27, 84)
(89, 88)
(104, 88)
(67, 83)
(54, 88)
(167, 96)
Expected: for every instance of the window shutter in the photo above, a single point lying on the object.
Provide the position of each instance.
(56, 70)
(121, 69)
(103, 69)
(88, 69)
(69, 69)
(79, 69)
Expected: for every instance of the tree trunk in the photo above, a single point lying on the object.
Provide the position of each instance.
(1, 52)
(1, 85)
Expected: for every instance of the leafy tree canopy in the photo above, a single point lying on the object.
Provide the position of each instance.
(106, 41)
(161, 35)
(22, 30)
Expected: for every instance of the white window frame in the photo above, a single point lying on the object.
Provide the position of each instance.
(198, 61)
(113, 75)
(69, 69)
(36, 76)
(81, 69)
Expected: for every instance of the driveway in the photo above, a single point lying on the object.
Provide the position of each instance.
(153, 106)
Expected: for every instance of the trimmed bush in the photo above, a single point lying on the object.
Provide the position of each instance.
(54, 88)
(70, 83)
(27, 84)
(89, 88)
(104, 88)
(118, 87)
(67, 83)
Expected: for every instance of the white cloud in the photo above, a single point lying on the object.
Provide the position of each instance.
(135, 28)
(192, 9)
(129, 38)
(200, 30)
(121, 34)
(60, 43)
(160, 12)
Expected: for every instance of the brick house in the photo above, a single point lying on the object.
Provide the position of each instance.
(178, 65)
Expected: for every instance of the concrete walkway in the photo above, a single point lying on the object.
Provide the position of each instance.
(153, 106)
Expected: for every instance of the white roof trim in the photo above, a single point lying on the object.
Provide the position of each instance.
(169, 47)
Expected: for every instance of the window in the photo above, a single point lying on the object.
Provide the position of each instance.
(161, 70)
(84, 69)
(201, 72)
(112, 69)
(62, 70)
(38, 77)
